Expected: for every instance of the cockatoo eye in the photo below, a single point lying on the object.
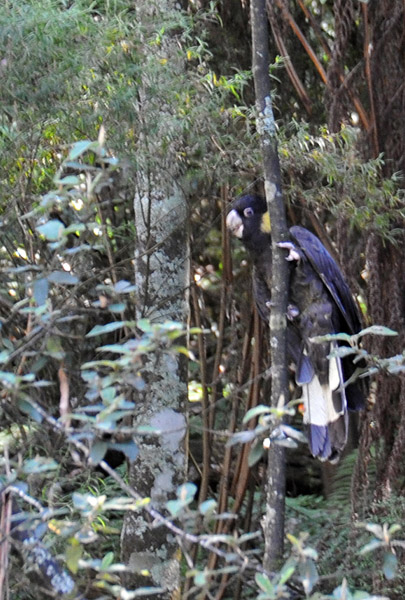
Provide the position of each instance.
(248, 212)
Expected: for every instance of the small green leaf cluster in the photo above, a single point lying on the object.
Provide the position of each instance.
(326, 171)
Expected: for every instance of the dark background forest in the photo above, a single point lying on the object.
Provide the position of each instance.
(130, 347)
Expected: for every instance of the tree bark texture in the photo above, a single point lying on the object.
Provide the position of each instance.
(161, 278)
(273, 521)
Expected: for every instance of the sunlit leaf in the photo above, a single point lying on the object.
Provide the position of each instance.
(40, 464)
(377, 330)
(73, 554)
(62, 278)
(200, 579)
(390, 565)
(371, 546)
(52, 230)
(207, 507)
(124, 287)
(241, 437)
(287, 571)
(68, 180)
(255, 412)
(264, 583)
(186, 492)
(4, 356)
(80, 148)
(108, 328)
(107, 560)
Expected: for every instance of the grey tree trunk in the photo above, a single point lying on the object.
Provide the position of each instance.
(161, 277)
(273, 520)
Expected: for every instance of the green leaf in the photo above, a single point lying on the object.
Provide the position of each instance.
(40, 290)
(187, 492)
(390, 565)
(30, 410)
(107, 561)
(207, 507)
(54, 348)
(375, 529)
(52, 230)
(124, 287)
(108, 328)
(287, 571)
(40, 464)
(174, 507)
(117, 308)
(74, 228)
(293, 433)
(241, 437)
(74, 552)
(130, 449)
(264, 583)
(377, 330)
(108, 394)
(255, 454)
(97, 451)
(394, 528)
(4, 356)
(80, 148)
(308, 575)
(63, 278)
(371, 546)
(255, 412)
(68, 180)
(200, 579)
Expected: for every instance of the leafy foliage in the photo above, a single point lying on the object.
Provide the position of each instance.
(71, 351)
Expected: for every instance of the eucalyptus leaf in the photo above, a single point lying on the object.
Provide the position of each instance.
(308, 575)
(62, 278)
(264, 583)
(52, 230)
(255, 412)
(207, 507)
(255, 454)
(130, 449)
(97, 451)
(241, 437)
(108, 328)
(80, 148)
(68, 180)
(30, 410)
(40, 290)
(40, 464)
(390, 565)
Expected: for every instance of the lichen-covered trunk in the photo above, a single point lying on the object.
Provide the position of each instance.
(162, 269)
(161, 278)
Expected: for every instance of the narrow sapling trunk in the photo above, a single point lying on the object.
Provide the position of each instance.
(273, 521)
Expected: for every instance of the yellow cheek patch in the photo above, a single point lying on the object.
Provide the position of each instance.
(265, 225)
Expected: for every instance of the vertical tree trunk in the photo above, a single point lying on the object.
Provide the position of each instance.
(273, 521)
(161, 277)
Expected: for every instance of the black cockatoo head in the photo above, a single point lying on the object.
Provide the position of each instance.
(249, 220)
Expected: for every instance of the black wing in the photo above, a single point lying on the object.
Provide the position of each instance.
(330, 274)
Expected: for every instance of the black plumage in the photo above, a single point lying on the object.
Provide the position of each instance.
(320, 303)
